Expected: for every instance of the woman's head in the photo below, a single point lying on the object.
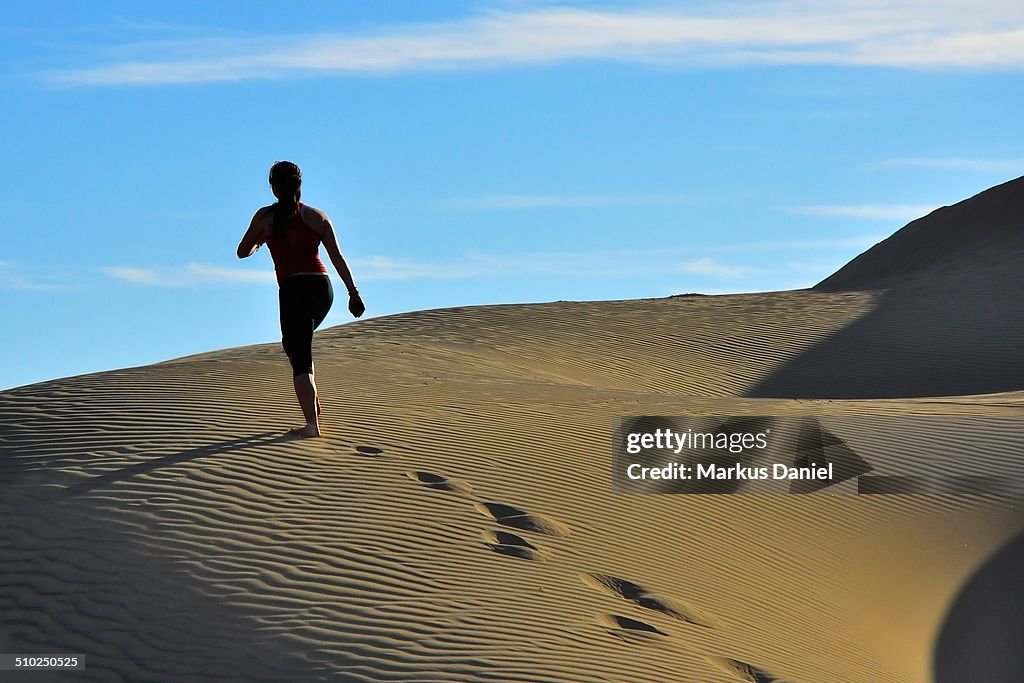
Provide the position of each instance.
(286, 182)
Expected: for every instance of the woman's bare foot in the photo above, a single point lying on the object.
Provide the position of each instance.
(318, 405)
(307, 432)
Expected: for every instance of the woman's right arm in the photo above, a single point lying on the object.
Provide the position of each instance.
(254, 236)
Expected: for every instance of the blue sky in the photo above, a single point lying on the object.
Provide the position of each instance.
(471, 153)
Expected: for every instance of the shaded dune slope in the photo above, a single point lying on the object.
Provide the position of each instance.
(948, 314)
(972, 235)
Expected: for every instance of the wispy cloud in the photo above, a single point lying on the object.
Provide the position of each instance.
(891, 33)
(1015, 166)
(380, 268)
(41, 280)
(22, 283)
(614, 263)
(608, 264)
(817, 268)
(786, 245)
(189, 275)
(895, 212)
(513, 202)
(697, 261)
(712, 268)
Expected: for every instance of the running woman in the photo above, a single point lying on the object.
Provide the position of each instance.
(293, 232)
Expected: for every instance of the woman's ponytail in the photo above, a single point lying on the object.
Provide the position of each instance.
(286, 179)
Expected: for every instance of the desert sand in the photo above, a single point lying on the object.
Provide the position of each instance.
(456, 522)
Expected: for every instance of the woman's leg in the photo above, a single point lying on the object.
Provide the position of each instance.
(305, 391)
(318, 411)
(323, 300)
(297, 322)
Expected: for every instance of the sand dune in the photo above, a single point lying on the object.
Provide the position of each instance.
(457, 522)
(978, 237)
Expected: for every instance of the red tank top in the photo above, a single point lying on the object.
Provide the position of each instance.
(297, 250)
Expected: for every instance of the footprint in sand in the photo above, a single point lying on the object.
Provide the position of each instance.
(522, 520)
(744, 671)
(629, 629)
(436, 481)
(639, 595)
(507, 543)
(369, 451)
(501, 542)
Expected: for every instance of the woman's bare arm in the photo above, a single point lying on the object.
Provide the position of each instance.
(322, 224)
(255, 235)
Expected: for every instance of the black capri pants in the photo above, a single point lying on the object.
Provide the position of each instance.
(305, 300)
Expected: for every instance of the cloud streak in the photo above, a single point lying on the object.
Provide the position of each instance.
(1014, 166)
(515, 202)
(22, 283)
(907, 34)
(894, 212)
(606, 264)
(712, 268)
(384, 268)
(696, 261)
(189, 275)
(11, 278)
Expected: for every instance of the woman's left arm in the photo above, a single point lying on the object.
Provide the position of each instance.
(254, 236)
(319, 221)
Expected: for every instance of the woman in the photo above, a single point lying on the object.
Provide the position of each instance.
(293, 232)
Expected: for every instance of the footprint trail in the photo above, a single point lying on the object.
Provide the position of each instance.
(641, 596)
(520, 519)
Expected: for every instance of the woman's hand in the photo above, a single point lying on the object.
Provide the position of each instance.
(355, 303)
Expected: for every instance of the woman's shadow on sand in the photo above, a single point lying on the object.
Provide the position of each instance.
(153, 464)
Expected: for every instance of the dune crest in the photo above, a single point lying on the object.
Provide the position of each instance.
(979, 237)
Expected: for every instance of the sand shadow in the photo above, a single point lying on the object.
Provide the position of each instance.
(637, 594)
(513, 545)
(629, 629)
(153, 464)
(522, 520)
(743, 671)
(981, 636)
(922, 339)
(440, 483)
